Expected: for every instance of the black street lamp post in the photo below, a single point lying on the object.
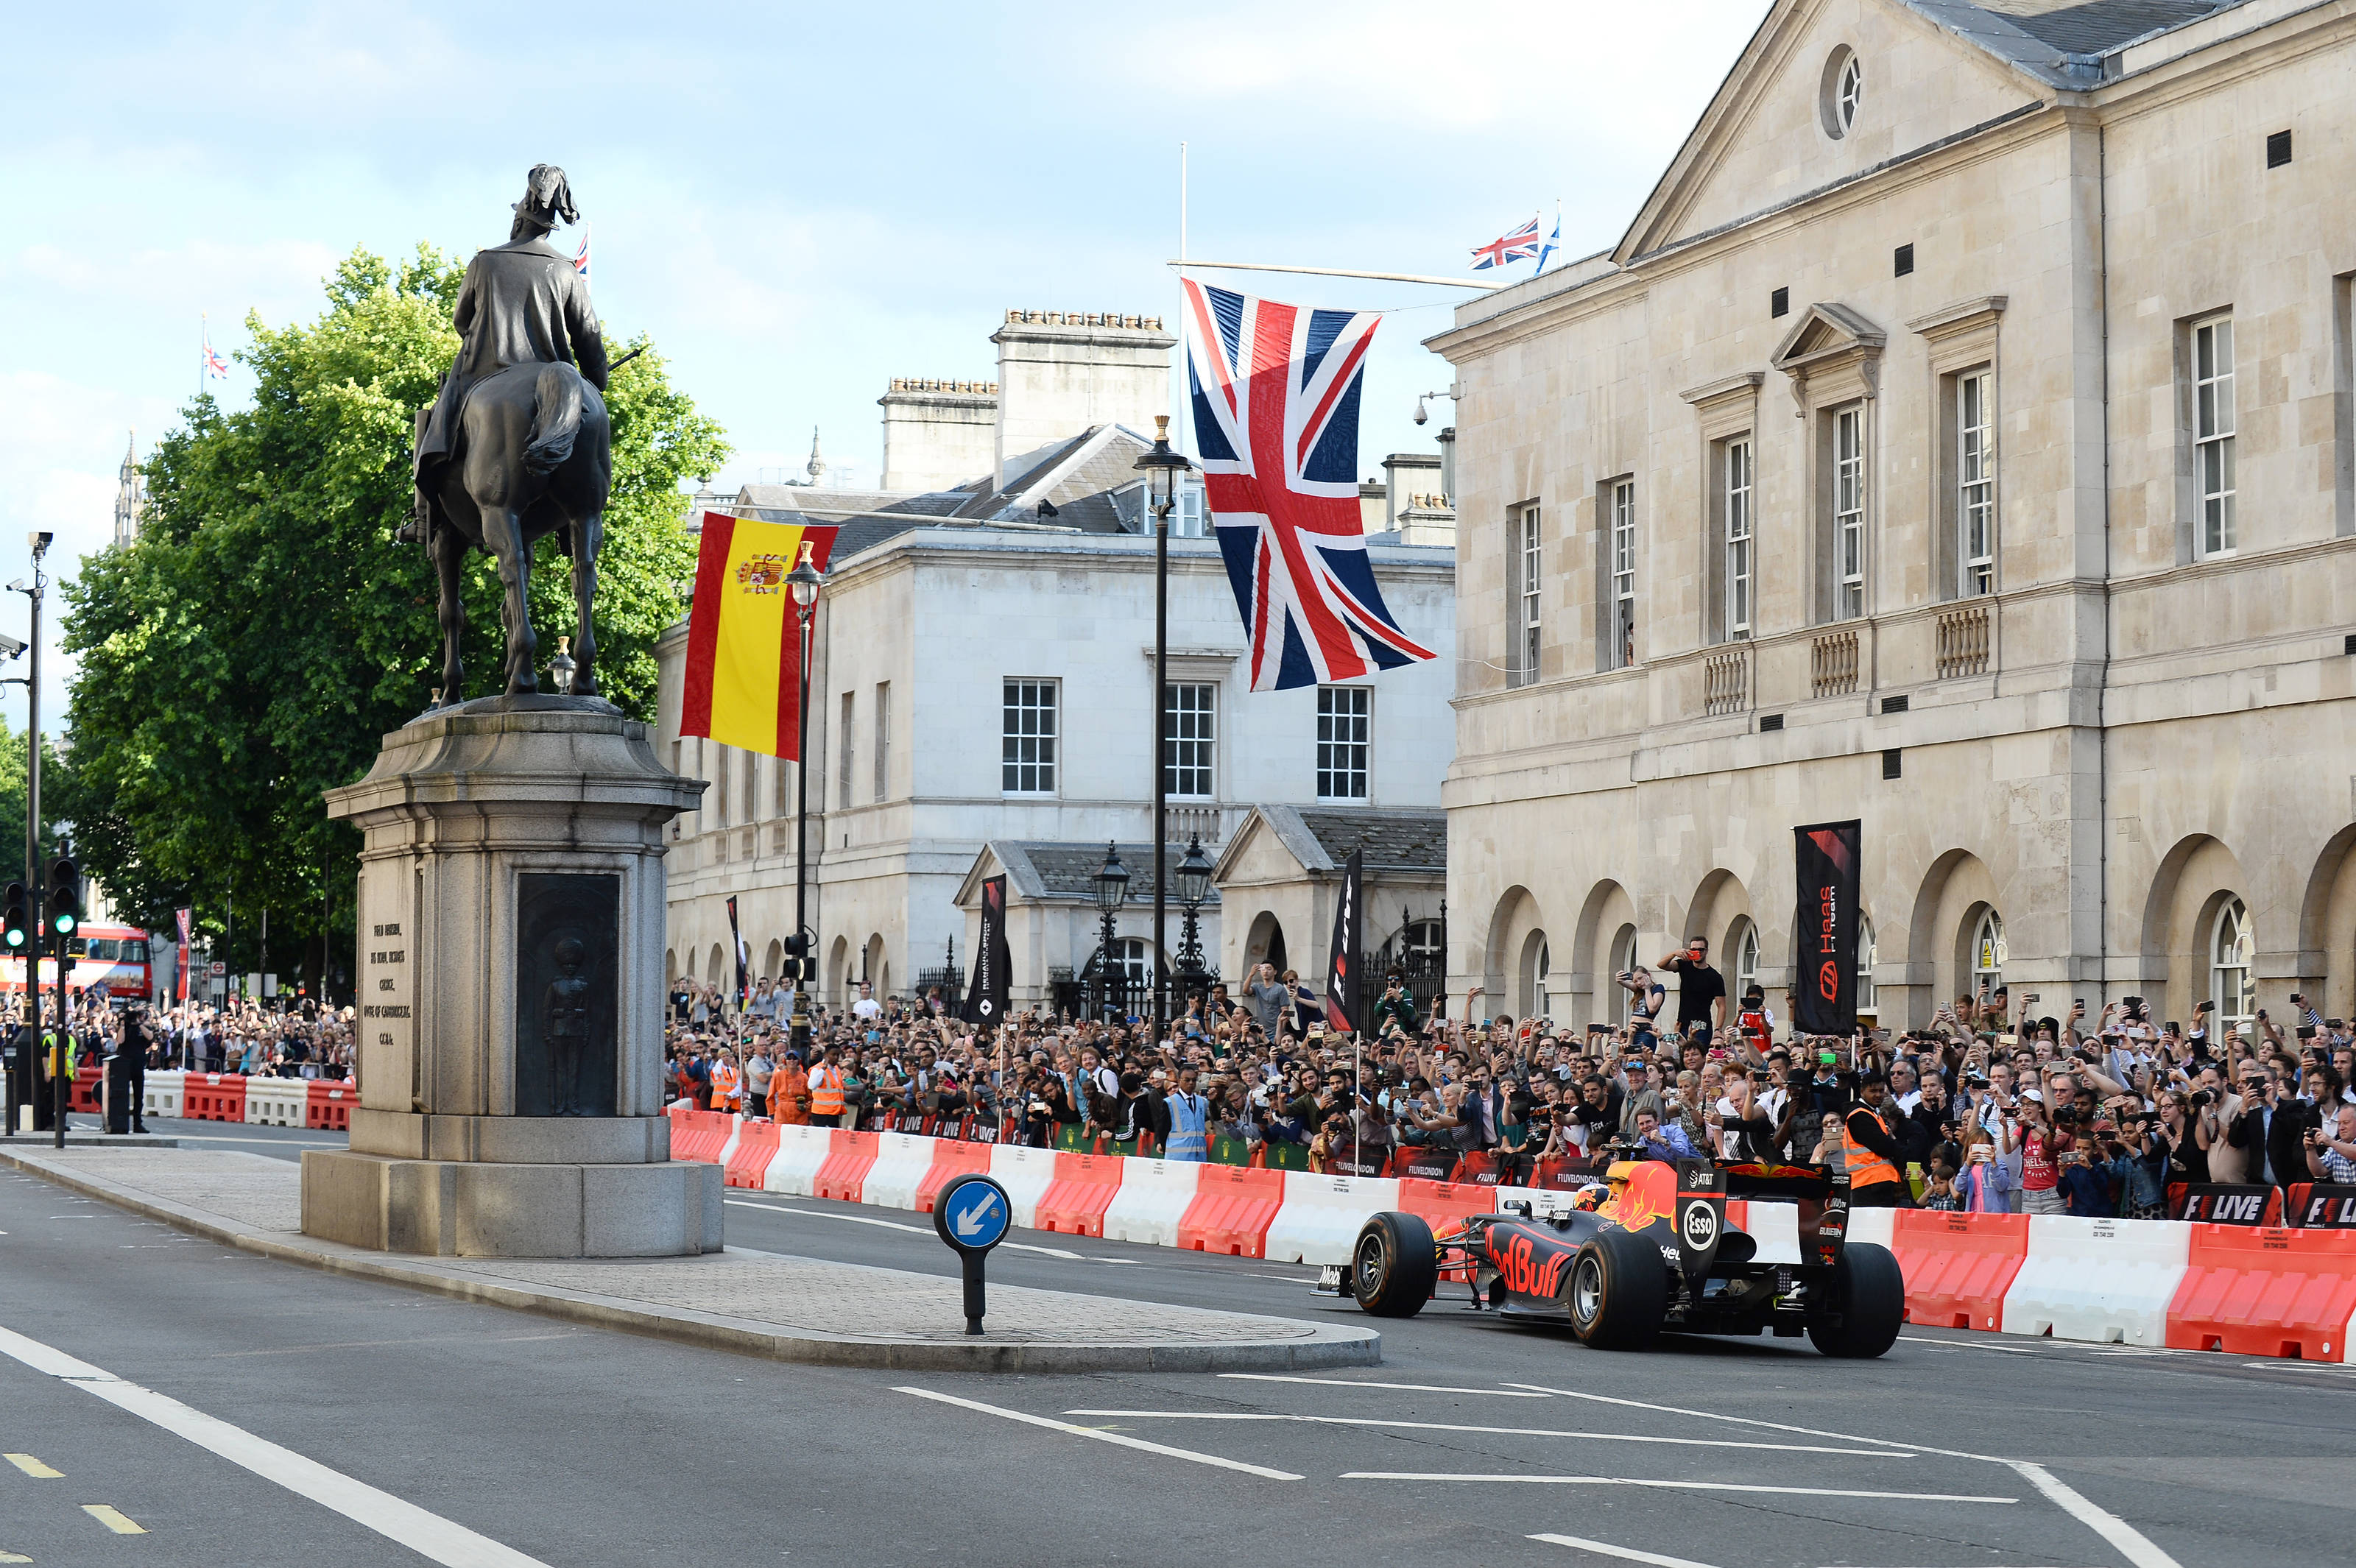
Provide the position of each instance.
(1112, 891)
(805, 579)
(1194, 887)
(1161, 467)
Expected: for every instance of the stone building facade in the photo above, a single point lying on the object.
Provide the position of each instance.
(1960, 440)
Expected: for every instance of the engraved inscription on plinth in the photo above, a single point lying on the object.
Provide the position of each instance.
(387, 1028)
(568, 964)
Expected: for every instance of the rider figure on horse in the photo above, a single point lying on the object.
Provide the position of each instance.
(521, 303)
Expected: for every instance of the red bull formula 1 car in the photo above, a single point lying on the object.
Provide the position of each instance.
(1648, 1251)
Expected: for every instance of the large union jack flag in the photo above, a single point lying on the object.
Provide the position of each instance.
(1519, 245)
(1275, 395)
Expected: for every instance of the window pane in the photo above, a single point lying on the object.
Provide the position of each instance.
(1342, 740)
(1188, 756)
(1028, 737)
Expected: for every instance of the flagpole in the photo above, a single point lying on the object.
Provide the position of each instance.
(1182, 204)
(1343, 272)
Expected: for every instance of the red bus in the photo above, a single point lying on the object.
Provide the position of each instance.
(113, 959)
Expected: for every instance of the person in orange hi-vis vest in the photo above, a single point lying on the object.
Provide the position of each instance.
(825, 1091)
(1874, 1181)
(727, 1084)
(790, 1093)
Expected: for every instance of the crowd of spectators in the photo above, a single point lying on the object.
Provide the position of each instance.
(1996, 1107)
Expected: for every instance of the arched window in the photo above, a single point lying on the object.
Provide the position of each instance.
(1536, 1003)
(1742, 943)
(1135, 956)
(1868, 1006)
(1988, 953)
(2231, 950)
(1623, 958)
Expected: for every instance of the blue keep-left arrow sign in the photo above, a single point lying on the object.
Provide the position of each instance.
(973, 1214)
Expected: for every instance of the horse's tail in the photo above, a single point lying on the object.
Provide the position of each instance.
(555, 418)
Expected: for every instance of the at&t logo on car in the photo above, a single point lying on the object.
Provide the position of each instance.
(1699, 1225)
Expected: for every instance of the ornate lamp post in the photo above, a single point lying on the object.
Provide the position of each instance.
(1112, 891)
(805, 579)
(1161, 468)
(562, 667)
(1194, 887)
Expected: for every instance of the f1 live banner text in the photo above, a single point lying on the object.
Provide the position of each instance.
(985, 1003)
(1342, 968)
(1824, 931)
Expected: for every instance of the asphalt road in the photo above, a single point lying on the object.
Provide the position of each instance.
(1474, 1441)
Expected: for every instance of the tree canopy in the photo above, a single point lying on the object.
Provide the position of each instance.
(265, 632)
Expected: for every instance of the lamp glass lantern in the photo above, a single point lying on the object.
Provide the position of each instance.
(1112, 881)
(1194, 874)
(804, 579)
(1161, 468)
(563, 668)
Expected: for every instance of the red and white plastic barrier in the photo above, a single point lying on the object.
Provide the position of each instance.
(952, 1158)
(1153, 1197)
(213, 1097)
(1958, 1266)
(902, 1162)
(1084, 1187)
(331, 1104)
(2264, 1291)
(844, 1177)
(2110, 1281)
(162, 1096)
(748, 1159)
(802, 1151)
(1322, 1215)
(1233, 1206)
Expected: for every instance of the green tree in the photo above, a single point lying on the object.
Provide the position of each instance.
(253, 648)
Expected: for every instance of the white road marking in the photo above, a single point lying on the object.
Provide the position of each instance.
(428, 1535)
(1974, 1345)
(2130, 1542)
(1353, 1382)
(262, 1143)
(1499, 1431)
(1605, 1549)
(1670, 1485)
(912, 1229)
(2109, 1526)
(1054, 1425)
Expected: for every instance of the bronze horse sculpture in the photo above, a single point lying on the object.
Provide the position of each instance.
(517, 446)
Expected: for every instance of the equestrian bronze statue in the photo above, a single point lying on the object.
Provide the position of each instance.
(517, 446)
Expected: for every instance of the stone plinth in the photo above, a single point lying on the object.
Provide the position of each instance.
(510, 1026)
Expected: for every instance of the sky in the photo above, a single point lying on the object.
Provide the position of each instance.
(796, 202)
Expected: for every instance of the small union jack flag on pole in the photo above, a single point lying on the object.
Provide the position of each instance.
(1275, 393)
(1519, 245)
(581, 256)
(214, 365)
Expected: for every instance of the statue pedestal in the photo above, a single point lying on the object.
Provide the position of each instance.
(510, 1016)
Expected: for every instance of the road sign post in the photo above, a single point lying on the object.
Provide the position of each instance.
(972, 1216)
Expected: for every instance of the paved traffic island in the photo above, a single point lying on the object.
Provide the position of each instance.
(762, 1304)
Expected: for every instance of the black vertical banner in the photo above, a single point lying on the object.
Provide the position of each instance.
(1824, 930)
(985, 999)
(1342, 967)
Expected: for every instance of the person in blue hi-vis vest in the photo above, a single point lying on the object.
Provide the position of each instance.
(1190, 1120)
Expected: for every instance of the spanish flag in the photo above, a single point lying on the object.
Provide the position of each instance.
(744, 636)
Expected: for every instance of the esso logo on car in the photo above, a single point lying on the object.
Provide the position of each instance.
(1699, 1225)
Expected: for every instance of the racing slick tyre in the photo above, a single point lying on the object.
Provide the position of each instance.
(1395, 1266)
(1869, 1296)
(1617, 1291)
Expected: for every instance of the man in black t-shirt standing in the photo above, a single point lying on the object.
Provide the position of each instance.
(1701, 990)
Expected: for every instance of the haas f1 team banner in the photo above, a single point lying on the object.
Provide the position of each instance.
(1349, 934)
(1824, 931)
(985, 1001)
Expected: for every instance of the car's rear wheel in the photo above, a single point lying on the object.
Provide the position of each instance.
(1394, 1266)
(1868, 1293)
(1616, 1292)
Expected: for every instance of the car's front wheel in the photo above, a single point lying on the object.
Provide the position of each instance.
(1395, 1266)
(1868, 1294)
(1616, 1292)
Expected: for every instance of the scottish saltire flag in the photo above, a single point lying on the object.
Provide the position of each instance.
(1553, 243)
(1519, 245)
(1274, 390)
(214, 365)
(581, 256)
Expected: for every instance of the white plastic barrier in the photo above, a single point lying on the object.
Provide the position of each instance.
(163, 1094)
(2109, 1280)
(1322, 1215)
(728, 1149)
(276, 1102)
(1875, 1225)
(1777, 1228)
(1153, 1197)
(1543, 1200)
(1024, 1173)
(802, 1149)
(903, 1160)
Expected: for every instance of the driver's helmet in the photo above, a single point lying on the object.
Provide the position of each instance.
(1590, 1197)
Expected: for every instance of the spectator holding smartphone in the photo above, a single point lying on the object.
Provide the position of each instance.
(1701, 990)
(2331, 1148)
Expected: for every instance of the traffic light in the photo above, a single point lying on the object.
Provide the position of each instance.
(16, 920)
(64, 910)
